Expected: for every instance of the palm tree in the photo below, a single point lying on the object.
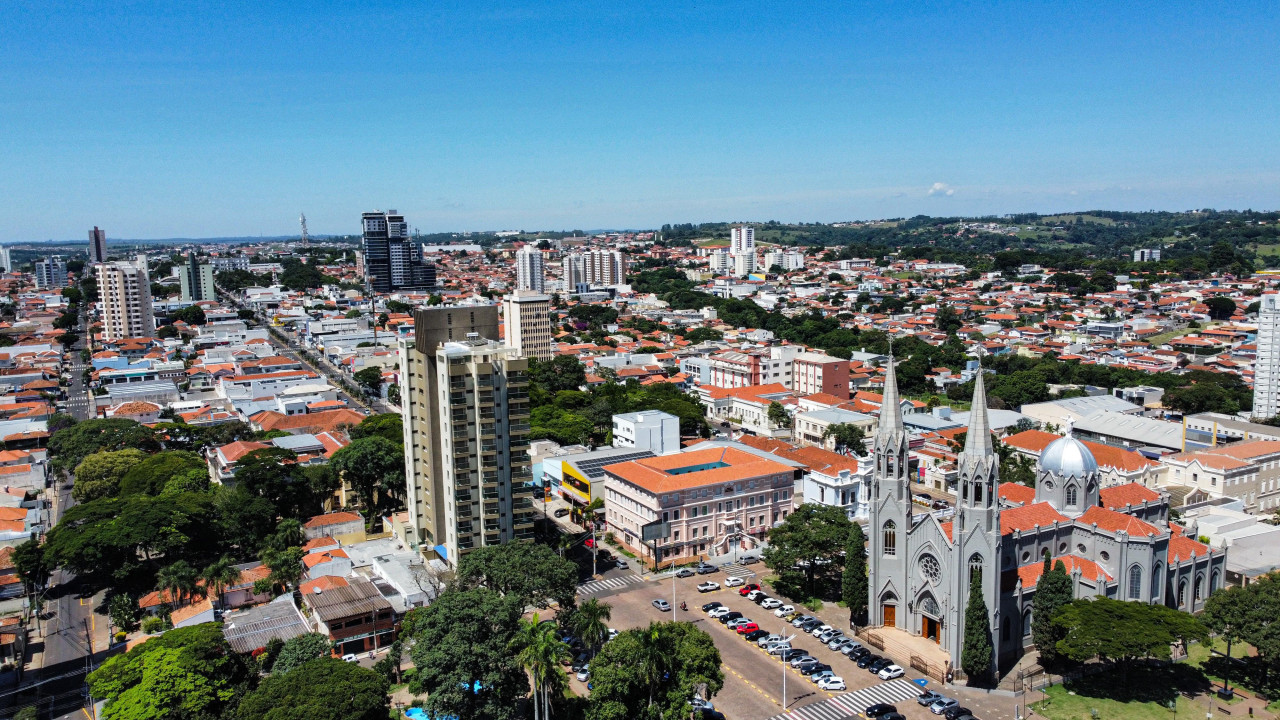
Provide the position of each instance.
(219, 576)
(653, 659)
(589, 623)
(179, 579)
(540, 652)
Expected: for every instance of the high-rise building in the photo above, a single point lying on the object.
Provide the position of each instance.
(1146, 255)
(5, 260)
(97, 246)
(124, 291)
(594, 267)
(1266, 376)
(526, 317)
(392, 260)
(466, 433)
(530, 272)
(742, 240)
(230, 262)
(51, 272)
(196, 280)
(720, 262)
(744, 265)
(788, 261)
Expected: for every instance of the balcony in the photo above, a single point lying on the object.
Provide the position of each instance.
(513, 394)
(518, 428)
(458, 383)
(465, 512)
(464, 528)
(462, 465)
(491, 539)
(491, 509)
(488, 430)
(523, 520)
(517, 378)
(457, 398)
(488, 447)
(520, 409)
(522, 502)
(485, 398)
(519, 456)
(492, 526)
(524, 534)
(463, 496)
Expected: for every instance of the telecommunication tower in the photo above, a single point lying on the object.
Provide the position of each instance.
(303, 219)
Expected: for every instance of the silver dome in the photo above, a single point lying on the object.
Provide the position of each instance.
(1068, 457)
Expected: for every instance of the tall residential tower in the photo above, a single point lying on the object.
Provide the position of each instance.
(124, 289)
(97, 246)
(1266, 378)
(530, 272)
(392, 259)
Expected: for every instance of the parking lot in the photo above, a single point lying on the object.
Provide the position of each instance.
(754, 679)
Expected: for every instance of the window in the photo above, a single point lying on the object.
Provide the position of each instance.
(1213, 582)
(1072, 495)
(1199, 587)
(1026, 623)
(1182, 593)
(1135, 582)
(890, 538)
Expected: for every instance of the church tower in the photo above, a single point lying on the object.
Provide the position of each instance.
(976, 528)
(890, 512)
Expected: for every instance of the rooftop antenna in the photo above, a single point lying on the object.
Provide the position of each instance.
(303, 220)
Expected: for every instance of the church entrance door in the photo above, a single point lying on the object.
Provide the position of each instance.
(929, 628)
(890, 615)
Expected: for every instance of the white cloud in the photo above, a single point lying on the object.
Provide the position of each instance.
(941, 189)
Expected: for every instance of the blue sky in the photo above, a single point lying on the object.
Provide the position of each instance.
(204, 119)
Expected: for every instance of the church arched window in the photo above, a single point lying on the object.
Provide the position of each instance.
(1026, 623)
(1213, 582)
(1072, 496)
(1135, 583)
(890, 538)
(1182, 593)
(1155, 580)
(977, 492)
(1199, 587)
(975, 567)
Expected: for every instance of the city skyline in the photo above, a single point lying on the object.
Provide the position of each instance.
(172, 122)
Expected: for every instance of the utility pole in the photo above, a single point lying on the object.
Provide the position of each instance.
(88, 636)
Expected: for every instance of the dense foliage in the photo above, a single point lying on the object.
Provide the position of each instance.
(320, 689)
(977, 655)
(650, 673)
(805, 551)
(1118, 631)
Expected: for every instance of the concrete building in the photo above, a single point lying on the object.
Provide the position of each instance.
(232, 262)
(1208, 429)
(820, 373)
(809, 427)
(461, 392)
(713, 498)
(651, 430)
(196, 280)
(392, 260)
(720, 261)
(124, 291)
(787, 260)
(6, 260)
(1146, 255)
(1247, 471)
(51, 273)
(526, 319)
(742, 240)
(579, 478)
(1266, 384)
(594, 268)
(531, 274)
(97, 246)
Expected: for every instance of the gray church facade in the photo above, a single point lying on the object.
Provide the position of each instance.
(1116, 542)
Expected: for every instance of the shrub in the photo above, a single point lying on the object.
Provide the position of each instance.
(152, 625)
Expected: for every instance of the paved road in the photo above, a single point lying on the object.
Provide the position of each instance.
(79, 403)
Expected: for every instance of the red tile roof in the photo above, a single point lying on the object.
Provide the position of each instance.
(334, 518)
(1182, 547)
(1121, 496)
(1029, 517)
(1017, 493)
(1113, 521)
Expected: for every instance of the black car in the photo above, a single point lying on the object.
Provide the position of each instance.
(755, 635)
(707, 569)
(956, 712)
(724, 619)
(561, 512)
(711, 606)
(857, 654)
(760, 598)
(875, 711)
(867, 659)
(815, 668)
(879, 665)
(811, 624)
(891, 716)
(791, 654)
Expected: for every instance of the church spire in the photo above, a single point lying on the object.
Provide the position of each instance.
(978, 441)
(890, 407)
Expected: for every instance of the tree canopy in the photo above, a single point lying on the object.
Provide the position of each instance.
(320, 689)
(650, 673)
(530, 574)
(70, 446)
(374, 466)
(805, 549)
(301, 649)
(1053, 591)
(1122, 631)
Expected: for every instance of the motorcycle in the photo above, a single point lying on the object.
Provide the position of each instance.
(684, 606)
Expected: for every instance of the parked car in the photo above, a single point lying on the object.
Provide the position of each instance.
(755, 594)
(797, 622)
(875, 667)
(662, 605)
(684, 573)
(817, 666)
(818, 630)
(943, 704)
(867, 659)
(770, 603)
(697, 703)
(711, 606)
(734, 581)
(727, 617)
(957, 712)
(708, 586)
(749, 587)
(561, 512)
(835, 642)
(875, 711)
(777, 648)
(891, 672)
(928, 697)
(613, 633)
(756, 635)
(848, 645)
(719, 612)
(832, 683)
(760, 599)
(817, 675)
(745, 628)
(705, 569)
(794, 654)
(749, 559)
(350, 657)
(857, 654)
(810, 625)
(584, 673)
(804, 661)
(736, 623)
(784, 610)
(622, 564)
(772, 638)
(825, 636)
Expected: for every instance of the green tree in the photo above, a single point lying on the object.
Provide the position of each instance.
(810, 538)
(98, 475)
(370, 379)
(29, 562)
(975, 656)
(589, 621)
(1120, 632)
(301, 649)
(150, 476)
(321, 689)
(389, 666)
(188, 672)
(220, 575)
(1053, 591)
(272, 474)
(530, 574)
(778, 415)
(374, 467)
(460, 650)
(1250, 613)
(540, 652)
(179, 579)
(285, 565)
(855, 588)
(848, 438)
(71, 445)
(385, 425)
(1221, 308)
(650, 673)
(948, 320)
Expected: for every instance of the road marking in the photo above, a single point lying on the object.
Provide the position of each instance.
(751, 685)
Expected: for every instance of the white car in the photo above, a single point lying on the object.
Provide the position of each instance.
(891, 673)
(771, 603)
(777, 648)
(735, 624)
(584, 673)
(708, 586)
(613, 633)
(785, 610)
(831, 683)
(734, 581)
(719, 612)
(820, 629)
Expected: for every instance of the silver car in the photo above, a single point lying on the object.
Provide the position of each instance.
(778, 647)
(766, 641)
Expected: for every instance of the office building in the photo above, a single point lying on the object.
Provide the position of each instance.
(124, 291)
(526, 318)
(1266, 378)
(232, 262)
(51, 273)
(742, 240)
(530, 271)
(594, 268)
(392, 260)
(820, 373)
(466, 432)
(652, 430)
(97, 246)
(196, 280)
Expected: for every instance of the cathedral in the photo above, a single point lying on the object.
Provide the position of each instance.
(1116, 542)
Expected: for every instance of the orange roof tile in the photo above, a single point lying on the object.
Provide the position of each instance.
(1112, 521)
(333, 518)
(1015, 492)
(1182, 548)
(1121, 496)
(651, 473)
(1029, 517)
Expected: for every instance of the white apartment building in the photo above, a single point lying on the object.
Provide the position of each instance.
(51, 272)
(124, 291)
(594, 268)
(742, 240)
(744, 265)
(651, 430)
(788, 261)
(530, 271)
(527, 321)
(720, 261)
(1266, 384)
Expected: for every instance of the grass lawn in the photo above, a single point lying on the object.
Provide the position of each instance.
(713, 243)
(1141, 693)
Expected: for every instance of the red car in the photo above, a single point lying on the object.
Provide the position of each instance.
(589, 542)
(747, 588)
(749, 627)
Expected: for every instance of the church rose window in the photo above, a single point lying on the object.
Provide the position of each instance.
(930, 568)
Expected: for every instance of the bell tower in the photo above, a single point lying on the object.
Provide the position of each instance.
(890, 524)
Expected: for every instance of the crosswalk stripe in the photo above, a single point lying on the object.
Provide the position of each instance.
(842, 706)
(608, 584)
